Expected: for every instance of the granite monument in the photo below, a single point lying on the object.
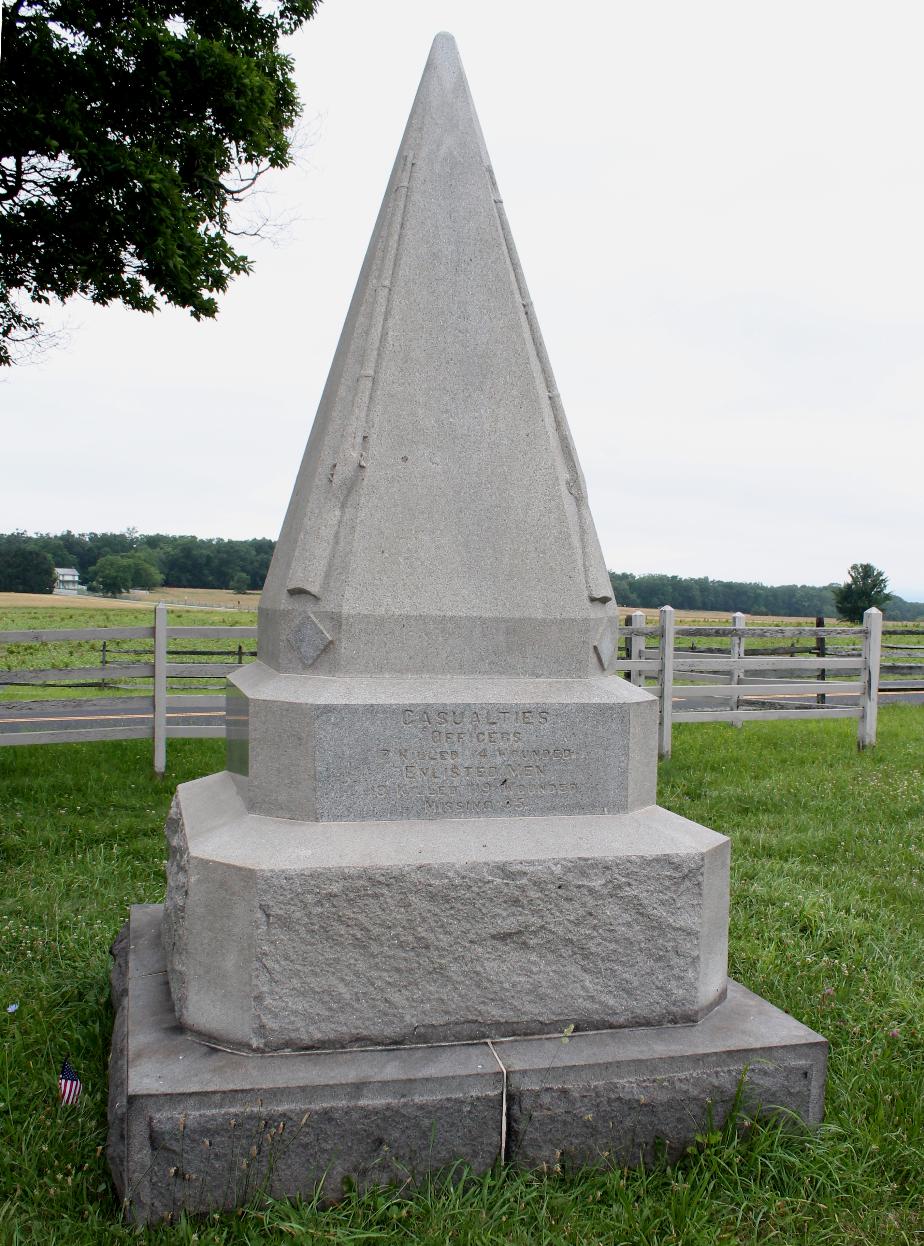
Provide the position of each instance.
(436, 849)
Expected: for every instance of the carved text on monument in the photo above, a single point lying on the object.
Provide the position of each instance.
(471, 759)
(445, 761)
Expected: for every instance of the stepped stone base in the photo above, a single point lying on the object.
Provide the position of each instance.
(196, 1128)
(285, 935)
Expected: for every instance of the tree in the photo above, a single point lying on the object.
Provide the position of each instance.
(127, 134)
(112, 575)
(240, 582)
(866, 586)
(117, 573)
(187, 564)
(24, 569)
(143, 572)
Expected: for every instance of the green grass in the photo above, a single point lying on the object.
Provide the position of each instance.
(827, 922)
(25, 618)
(55, 655)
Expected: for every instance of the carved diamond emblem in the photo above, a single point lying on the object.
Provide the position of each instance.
(309, 639)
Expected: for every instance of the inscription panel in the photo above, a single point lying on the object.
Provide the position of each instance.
(477, 761)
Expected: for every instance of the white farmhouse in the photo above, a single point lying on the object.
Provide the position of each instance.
(68, 580)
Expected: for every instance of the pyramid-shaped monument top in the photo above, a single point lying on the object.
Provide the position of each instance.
(439, 524)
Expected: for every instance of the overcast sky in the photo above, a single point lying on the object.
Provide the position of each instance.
(719, 208)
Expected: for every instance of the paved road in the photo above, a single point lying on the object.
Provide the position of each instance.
(82, 714)
(85, 714)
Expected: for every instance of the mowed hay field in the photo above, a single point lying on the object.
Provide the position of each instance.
(224, 599)
(691, 617)
(66, 602)
(827, 922)
(216, 598)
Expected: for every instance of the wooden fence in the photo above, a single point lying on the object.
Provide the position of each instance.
(742, 684)
(744, 674)
(141, 717)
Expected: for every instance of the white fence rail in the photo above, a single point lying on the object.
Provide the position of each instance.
(742, 685)
(135, 717)
(754, 676)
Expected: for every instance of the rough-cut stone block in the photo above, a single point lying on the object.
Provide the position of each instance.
(284, 934)
(336, 750)
(194, 1128)
(623, 1096)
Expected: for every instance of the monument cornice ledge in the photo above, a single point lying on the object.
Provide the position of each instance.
(260, 681)
(267, 844)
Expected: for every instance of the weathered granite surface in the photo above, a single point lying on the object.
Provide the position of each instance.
(626, 1096)
(439, 523)
(332, 750)
(284, 934)
(403, 852)
(196, 1128)
(438, 823)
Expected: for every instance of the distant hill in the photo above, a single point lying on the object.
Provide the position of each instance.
(701, 593)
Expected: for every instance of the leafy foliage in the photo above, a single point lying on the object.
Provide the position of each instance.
(865, 586)
(701, 593)
(117, 573)
(25, 569)
(179, 561)
(127, 133)
(112, 575)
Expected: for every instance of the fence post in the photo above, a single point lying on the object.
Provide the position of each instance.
(821, 648)
(667, 680)
(869, 696)
(160, 689)
(737, 651)
(637, 647)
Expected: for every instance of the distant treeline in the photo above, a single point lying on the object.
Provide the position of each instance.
(182, 561)
(701, 593)
(210, 562)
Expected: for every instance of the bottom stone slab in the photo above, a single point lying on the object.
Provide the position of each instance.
(196, 1128)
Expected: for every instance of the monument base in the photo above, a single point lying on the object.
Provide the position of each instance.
(293, 936)
(196, 1128)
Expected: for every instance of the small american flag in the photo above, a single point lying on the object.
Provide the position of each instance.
(68, 1083)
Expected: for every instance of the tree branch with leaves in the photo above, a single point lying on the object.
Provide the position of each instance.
(127, 135)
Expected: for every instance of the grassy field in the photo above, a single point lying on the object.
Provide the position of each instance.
(827, 921)
(73, 612)
(27, 612)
